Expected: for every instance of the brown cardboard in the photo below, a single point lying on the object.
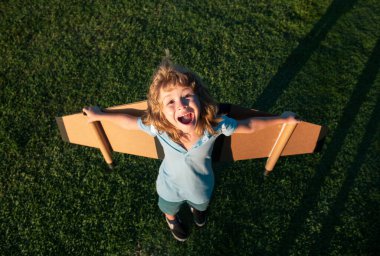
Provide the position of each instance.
(302, 139)
(75, 129)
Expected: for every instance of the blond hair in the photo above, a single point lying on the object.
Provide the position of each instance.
(166, 77)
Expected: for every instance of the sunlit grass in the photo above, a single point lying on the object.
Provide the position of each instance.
(319, 59)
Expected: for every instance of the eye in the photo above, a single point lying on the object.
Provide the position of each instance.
(170, 102)
(188, 95)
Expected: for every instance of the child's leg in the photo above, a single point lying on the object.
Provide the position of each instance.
(200, 207)
(169, 217)
(170, 209)
(199, 213)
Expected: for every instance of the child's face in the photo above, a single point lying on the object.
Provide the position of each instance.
(181, 107)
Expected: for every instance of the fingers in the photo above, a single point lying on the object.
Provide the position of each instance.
(291, 117)
(293, 120)
(85, 110)
(288, 114)
(91, 112)
(90, 109)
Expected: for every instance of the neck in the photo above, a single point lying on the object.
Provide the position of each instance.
(189, 136)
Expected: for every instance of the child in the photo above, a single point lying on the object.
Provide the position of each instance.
(183, 116)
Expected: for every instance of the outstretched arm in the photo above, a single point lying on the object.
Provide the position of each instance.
(123, 120)
(254, 124)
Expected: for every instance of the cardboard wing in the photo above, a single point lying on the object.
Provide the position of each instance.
(272, 142)
(75, 129)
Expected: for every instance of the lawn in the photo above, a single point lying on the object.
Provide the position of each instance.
(319, 59)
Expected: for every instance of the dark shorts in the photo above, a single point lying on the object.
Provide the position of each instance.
(172, 208)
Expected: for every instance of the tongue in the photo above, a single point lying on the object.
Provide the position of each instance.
(186, 119)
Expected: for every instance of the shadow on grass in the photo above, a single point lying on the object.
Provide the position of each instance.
(309, 200)
(322, 243)
(301, 54)
(268, 98)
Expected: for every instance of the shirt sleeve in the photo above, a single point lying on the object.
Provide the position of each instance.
(149, 129)
(227, 126)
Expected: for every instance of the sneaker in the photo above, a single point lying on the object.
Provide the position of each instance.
(177, 229)
(199, 217)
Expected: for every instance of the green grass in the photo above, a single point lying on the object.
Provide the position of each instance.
(317, 58)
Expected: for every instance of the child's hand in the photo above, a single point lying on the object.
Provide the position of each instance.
(289, 117)
(92, 113)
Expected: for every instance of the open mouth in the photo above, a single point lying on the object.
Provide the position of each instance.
(186, 119)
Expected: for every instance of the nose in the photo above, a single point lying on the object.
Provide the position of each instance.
(182, 103)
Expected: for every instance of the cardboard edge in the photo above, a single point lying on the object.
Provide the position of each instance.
(321, 139)
(62, 129)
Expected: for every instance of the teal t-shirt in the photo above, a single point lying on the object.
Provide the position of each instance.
(188, 175)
